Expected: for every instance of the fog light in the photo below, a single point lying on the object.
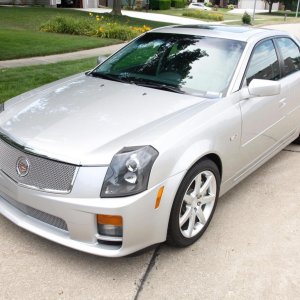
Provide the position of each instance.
(110, 225)
(110, 230)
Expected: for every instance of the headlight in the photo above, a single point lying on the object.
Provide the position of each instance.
(129, 172)
(1, 107)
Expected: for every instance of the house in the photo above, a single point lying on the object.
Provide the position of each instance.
(243, 4)
(54, 3)
(260, 5)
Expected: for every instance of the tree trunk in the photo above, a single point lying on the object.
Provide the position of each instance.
(116, 8)
(270, 6)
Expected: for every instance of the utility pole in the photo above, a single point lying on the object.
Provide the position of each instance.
(297, 9)
(253, 16)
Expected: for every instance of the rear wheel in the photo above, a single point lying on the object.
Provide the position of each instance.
(194, 204)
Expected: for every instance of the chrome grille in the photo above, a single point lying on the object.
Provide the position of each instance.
(39, 215)
(44, 174)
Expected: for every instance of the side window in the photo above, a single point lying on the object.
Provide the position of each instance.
(264, 63)
(290, 54)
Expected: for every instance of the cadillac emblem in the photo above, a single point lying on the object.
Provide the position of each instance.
(23, 166)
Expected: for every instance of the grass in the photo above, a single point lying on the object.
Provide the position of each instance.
(204, 15)
(236, 19)
(15, 81)
(20, 36)
(31, 18)
(21, 45)
(179, 13)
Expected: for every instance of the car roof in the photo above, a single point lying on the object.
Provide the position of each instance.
(240, 33)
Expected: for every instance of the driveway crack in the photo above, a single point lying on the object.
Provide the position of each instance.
(295, 151)
(147, 272)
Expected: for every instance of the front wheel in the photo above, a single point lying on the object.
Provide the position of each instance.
(194, 204)
(297, 140)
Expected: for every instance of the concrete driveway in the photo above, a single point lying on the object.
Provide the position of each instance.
(250, 251)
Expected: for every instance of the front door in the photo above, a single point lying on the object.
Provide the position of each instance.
(263, 118)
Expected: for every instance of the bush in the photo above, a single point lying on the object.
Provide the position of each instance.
(230, 6)
(208, 4)
(93, 26)
(160, 4)
(178, 3)
(202, 14)
(246, 18)
(70, 26)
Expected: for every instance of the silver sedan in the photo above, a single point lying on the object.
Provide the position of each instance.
(138, 150)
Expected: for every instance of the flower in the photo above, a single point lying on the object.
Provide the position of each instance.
(142, 29)
(90, 14)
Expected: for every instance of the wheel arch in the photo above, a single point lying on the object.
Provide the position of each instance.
(213, 157)
(216, 159)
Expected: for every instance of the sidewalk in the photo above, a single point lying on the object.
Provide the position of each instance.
(148, 16)
(42, 60)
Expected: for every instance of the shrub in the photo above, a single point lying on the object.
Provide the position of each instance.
(178, 3)
(93, 26)
(208, 4)
(70, 25)
(202, 14)
(160, 4)
(246, 18)
(230, 6)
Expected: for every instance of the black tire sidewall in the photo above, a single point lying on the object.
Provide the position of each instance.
(297, 141)
(175, 236)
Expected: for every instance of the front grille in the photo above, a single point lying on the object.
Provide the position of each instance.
(39, 215)
(44, 174)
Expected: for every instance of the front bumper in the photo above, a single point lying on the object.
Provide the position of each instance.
(143, 225)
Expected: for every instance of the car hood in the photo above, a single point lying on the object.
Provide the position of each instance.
(85, 120)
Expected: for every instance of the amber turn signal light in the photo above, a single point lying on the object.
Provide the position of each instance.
(110, 220)
(158, 198)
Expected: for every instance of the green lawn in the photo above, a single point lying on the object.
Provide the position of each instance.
(17, 43)
(20, 35)
(19, 80)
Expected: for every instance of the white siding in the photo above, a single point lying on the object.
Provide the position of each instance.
(260, 4)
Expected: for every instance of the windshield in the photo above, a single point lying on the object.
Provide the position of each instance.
(201, 66)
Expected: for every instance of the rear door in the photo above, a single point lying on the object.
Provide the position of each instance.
(290, 66)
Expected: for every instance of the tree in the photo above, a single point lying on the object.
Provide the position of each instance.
(116, 8)
(270, 2)
(290, 4)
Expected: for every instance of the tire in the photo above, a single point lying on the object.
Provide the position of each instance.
(297, 140)
(190, 216)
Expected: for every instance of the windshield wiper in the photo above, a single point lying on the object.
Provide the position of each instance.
(160, 86)
(106, 76)
(137, 81)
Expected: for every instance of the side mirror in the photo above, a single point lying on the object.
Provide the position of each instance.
(263, 88)
(101, 59)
